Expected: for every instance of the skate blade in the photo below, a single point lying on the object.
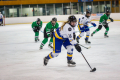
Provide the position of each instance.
(71, 65)
(106, 37)
(50, 47)
(40, 48)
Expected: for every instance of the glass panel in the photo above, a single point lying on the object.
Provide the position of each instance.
(102, 7)
(108, 5)
(66, 9)
(41, 10)
(9, 11)
(80, 8)
(50, 9)
(74, 8)
(117, 3)
(58, 9)
(95, 7)
(26, 11)
(2, 10)
(17, 11)
(33, 10)
(113, 3)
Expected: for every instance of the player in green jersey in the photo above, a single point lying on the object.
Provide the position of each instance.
(48, 32)
(36, 26)
(103, 21)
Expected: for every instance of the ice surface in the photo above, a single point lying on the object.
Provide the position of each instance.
(21, 59)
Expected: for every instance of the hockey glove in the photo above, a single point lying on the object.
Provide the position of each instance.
(38, 28)
(51, 33)
(34, 29)
(111, 19)
(78, 48)
(93, 24)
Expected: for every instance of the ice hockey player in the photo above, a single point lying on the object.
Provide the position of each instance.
(83, 26)
(103, 22)
(1, 19)
(36, 26)
(64, 35)
(48, 32)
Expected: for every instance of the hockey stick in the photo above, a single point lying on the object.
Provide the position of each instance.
(84, 29)
(85, 47)
(92, 69)
(42, 31)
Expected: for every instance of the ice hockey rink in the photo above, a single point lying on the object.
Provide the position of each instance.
(21, 59)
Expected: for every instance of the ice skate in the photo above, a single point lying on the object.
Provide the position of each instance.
(50, 46)
(106, 36)
(41, 47)
(71, 63)
(45, 61)
(92, 34)
(87, 42)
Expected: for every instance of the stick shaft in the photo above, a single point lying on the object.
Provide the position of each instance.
(86, 60)
(84, 46)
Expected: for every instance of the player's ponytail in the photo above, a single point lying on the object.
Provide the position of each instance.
(64, 25)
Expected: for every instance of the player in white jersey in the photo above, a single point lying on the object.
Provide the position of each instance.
(1, 19)
(83, 26)
(64, 35)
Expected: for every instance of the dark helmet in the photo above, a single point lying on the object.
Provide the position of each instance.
(88, 11)
(54, 19)
(38, 20)
(72, 18)
(107, 11)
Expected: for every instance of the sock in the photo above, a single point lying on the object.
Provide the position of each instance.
(36, 37)
(87, 37)
(78, 37)
(107, 29)
(50, 56)
(69, 56)
(96, 31)
(44, 42)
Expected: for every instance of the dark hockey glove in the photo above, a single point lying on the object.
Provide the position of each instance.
(35, 29)
(111, 19)
(78, 48)
(38, 28)
(51, 33)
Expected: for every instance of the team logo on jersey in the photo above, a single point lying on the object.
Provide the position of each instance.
(69, 29)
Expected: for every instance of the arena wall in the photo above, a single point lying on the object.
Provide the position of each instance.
(60, 18)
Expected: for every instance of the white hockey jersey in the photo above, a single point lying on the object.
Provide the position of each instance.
(66, 33)
(84, 21)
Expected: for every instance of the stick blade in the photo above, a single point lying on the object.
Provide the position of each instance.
(93, 70)
(89, 47)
